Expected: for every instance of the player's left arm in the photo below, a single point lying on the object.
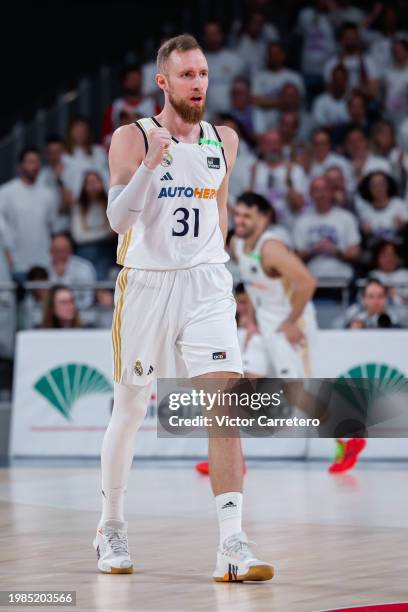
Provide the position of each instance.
(276, 256)
(230, 145)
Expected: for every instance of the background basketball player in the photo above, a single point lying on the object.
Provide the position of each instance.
(280, 288)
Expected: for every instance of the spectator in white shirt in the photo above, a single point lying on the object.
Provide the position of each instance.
(323, 157)
(384, 144)
(337, 185)
(363, 161)
(373, 311)
(380, 49)
(90, 228)
(241, 173)
(7, 302)
(318, 43)
(243, 110)
(29, 211)
(327, 238)
(224, 66)
(253, 41)
(267, 84)
(5, 253)
(342, 11)
(85, 155)
(357, 110)
(330, 108)
(396, 83)
(388, 269)
(282, 182)
(361, 69)
(384, 140)
(291, 101)
(60, 175)
(68, 269)
(32, 306)
(291, 137)
(136, 100)
(382, 214)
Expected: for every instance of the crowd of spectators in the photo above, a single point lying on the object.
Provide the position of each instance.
(322, 115)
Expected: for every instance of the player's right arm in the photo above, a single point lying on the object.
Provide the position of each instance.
(276, 256)
(131, 169)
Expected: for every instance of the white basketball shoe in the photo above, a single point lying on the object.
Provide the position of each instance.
(236, 562)
(111, 545)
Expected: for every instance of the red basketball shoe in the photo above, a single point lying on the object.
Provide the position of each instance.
(347, 455)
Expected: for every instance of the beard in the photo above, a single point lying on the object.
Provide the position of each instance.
(189, 113)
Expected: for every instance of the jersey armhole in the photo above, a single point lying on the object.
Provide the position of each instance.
(222, 148)
(144, 135)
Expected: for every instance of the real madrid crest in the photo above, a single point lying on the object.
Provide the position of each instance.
(138, 368)
(167, 159)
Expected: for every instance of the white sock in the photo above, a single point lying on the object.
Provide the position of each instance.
(112, 505)
(129, 409)
(229, 512)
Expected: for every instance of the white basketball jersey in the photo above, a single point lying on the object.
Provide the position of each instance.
(269, 295)
(179, 226)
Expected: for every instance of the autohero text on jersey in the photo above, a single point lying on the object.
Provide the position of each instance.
(205, 193)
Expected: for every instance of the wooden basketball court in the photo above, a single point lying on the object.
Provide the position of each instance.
(334, 541)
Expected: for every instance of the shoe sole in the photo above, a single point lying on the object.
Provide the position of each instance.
(257, 573)
(118, 570)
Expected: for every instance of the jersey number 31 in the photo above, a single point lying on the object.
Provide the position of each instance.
(184, 221)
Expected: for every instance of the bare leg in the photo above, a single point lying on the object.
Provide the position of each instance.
(225, 454)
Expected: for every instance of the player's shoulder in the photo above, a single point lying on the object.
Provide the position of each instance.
(230, 141)
(126, 132)
(10, 186)
(127, 137)
(227, 135)
(272, 244)
(278, 234)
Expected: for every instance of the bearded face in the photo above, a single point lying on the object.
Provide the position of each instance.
(185, 81)
(190, 111)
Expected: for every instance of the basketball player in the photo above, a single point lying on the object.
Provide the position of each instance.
(167, 202)
(280, 288)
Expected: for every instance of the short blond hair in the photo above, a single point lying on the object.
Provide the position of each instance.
(182, 43)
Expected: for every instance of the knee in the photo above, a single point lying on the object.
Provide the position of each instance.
(130, 406)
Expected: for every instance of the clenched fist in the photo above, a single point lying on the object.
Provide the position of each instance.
(159, 140)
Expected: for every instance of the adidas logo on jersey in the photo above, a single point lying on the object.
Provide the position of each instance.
(167, 177)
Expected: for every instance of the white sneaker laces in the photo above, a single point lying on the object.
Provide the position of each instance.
(118, 541)
(242, 548)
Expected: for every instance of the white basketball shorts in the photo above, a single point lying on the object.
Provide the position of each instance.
(255, 358)
(285, 360)
(174, 324)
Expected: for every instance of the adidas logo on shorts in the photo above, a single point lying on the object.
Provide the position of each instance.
(220, 355)
(167, 177)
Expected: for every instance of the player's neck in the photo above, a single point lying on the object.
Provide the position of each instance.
(183, 131)
(250, 242)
